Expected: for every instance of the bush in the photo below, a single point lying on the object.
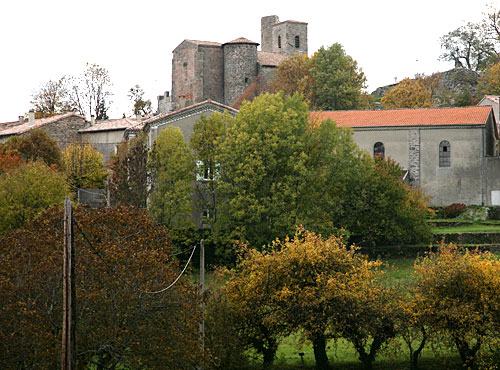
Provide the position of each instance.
(494, 213)
(453, 210)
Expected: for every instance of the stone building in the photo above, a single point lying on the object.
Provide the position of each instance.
(203, 70)
(63, 128)
(450, 153)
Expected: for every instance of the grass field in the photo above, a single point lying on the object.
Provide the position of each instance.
(472, 228)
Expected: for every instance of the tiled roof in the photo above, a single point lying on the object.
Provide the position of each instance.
(26, 126)
(204, 43)
(113, 124)
(191, 107)
(241, 40)
(270, 59)
(409, 117)
(290, 21)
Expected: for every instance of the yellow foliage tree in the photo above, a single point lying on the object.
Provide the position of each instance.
(83, 166)
(408, 94)
(489, 82)
(459, 292)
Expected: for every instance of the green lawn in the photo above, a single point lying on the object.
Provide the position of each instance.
(473, 228)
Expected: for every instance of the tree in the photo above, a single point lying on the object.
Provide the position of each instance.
(34, 146)
(141, 106)
(459, 292)
(489, 81)
(52, 98)
(83, 166)
(172, 167)
(294, 75)
(338, 80)
(8, 160)
(122, 255)
(27, 190)
(130, 178)
(408, 94)
(90, 92)
(468, 46)
(207, 133)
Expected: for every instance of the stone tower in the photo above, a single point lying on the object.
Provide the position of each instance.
(287, 38)
(240, 67)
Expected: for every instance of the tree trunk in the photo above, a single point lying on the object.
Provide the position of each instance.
(319, 346)
(269, 354)
(467, 354)
(416, 354)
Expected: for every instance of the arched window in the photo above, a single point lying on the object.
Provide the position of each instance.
(444, 154)
(379, 150)
(297, 42)
(279, 42)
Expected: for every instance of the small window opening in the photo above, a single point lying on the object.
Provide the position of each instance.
(297, 42)
(246, 80)
(279, 42)
(444, 154)
(379, 150)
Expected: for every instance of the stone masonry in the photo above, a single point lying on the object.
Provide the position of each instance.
(414, 156)
(203, 70)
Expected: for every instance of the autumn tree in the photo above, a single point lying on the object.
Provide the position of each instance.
(489, 81)
(294, 75)
(90, 92)
(408, 94)
(123, 258)
(27, 190)
(172, 168)
(36, 145)
(8, 160)
(51, 98)
(84, 167)
(129, 180)
(141, 106)
(459, 292)
(339, 81)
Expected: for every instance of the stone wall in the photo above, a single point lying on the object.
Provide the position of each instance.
(65, 131)
(288, 30)
(240, 69)
(183, 72)
(212, 73)
(266, 32)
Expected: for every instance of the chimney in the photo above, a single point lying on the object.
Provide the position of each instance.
(31, 117)
(138, 117)
(21, 120)
(92, 120)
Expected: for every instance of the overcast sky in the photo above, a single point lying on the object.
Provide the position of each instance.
(43, 40)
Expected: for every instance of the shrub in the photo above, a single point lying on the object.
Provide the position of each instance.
(453, 210)
(494, 213)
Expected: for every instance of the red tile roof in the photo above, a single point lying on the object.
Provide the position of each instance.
(409, 117)
(26, 126)
(241, 40)
(270, 59)
(113, 124)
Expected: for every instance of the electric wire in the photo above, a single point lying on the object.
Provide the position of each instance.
(125, 281)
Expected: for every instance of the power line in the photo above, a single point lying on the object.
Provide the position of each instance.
(125, 281)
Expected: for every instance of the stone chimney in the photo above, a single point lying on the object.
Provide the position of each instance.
(31, 117)
(138, 117)
(92, 120)
(21, 120)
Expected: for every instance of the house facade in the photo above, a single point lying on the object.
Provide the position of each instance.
(450, 153)
(63, 128)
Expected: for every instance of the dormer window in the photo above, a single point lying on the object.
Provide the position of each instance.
(297, 42)
(279, 42)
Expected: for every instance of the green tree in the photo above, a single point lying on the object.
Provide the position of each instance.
(34, 146)
(172, 167)
(129, 180)
(122, 254)
(83, 167)
(408, 94)
(338, 80)
(207, 132)
(27, 190)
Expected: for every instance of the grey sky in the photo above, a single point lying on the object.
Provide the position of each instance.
(42, 40)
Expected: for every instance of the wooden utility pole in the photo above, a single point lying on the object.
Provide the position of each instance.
(202, 290)
(68, 361)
